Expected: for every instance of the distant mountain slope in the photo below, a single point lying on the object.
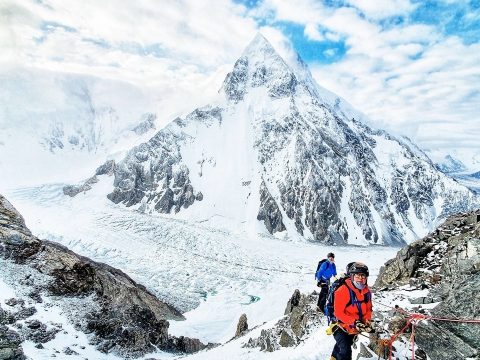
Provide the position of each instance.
(450, 165)
(53, 123)
(455, 169)
(277, 152)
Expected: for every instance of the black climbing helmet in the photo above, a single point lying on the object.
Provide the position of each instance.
(330, 254)
(357, 268)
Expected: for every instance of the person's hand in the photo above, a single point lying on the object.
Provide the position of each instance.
(364, 327)
(359, 325)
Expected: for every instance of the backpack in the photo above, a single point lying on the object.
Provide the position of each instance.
(353, 299)
(320, 264)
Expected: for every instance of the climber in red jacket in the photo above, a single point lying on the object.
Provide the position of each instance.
(353, 310)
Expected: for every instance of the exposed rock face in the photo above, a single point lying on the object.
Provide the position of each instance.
(300, 319)
(269, 212)
(157, 165)
(146, 124)
(74, 190)
(186, 345)
(320, 172)
(447, 262)
(10, 344)
(449, 252)
(106, 169)
(126, 318)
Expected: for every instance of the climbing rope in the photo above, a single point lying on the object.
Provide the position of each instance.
(412, 319)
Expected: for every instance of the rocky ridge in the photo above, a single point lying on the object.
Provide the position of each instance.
(300, 319)
(447, 263)
(122, 316)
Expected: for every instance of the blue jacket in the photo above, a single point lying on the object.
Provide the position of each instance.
(326, 271)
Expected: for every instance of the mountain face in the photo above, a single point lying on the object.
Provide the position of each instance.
(66, 119)
(455, 169)
(276, 152)
(450, 165)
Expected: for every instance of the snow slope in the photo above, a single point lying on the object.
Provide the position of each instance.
(185, 263)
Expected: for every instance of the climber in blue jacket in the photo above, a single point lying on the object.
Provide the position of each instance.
(325, 271)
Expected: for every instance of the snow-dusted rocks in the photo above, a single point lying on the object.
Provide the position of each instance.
(10, 342)
(123, 316)
(276, 152)
(447, 262)
(300, 320)
(146, 124)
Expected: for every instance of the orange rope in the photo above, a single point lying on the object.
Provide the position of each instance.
(413, 319)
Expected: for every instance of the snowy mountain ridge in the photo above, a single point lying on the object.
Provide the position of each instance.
(68, 121)
(276, 152)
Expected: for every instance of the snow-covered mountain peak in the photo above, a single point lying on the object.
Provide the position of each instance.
(259, 45)
(285, 156)
(260, 65)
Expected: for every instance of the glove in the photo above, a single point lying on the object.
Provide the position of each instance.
(361, 327)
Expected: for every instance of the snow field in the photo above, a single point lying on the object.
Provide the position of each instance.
(214, 275)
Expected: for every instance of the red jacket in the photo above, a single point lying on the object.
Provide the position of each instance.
(346, 312)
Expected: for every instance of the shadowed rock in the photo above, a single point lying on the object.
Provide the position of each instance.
(447, 262)
(127, 318)
(242, 325)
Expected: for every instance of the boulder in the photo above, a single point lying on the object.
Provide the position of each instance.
(242, 325)
(10, 345)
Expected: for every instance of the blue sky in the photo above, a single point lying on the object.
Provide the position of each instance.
(449, 18)
(412, 66)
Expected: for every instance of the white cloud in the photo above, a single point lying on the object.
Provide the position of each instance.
(312, 33)
(410, 79)
(383, 9)
(184, 33)
(300, 11)
(406, 77)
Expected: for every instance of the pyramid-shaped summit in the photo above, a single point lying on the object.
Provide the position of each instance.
(260, 65)
(271, 155)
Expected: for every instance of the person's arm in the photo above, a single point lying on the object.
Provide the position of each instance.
(342, 298)
(334, 270)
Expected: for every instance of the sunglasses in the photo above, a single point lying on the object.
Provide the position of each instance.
(363, 276)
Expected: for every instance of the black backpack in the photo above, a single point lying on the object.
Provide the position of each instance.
(353, 299)
(320, 264)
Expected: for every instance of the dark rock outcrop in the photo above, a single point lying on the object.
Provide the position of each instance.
(186, 345)
(452, 252)
(242, 326)
(269, 212)
(447, 262)
(301, 318)
(106, 169)
(10, 344)
(127, 318)
(74, 190)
